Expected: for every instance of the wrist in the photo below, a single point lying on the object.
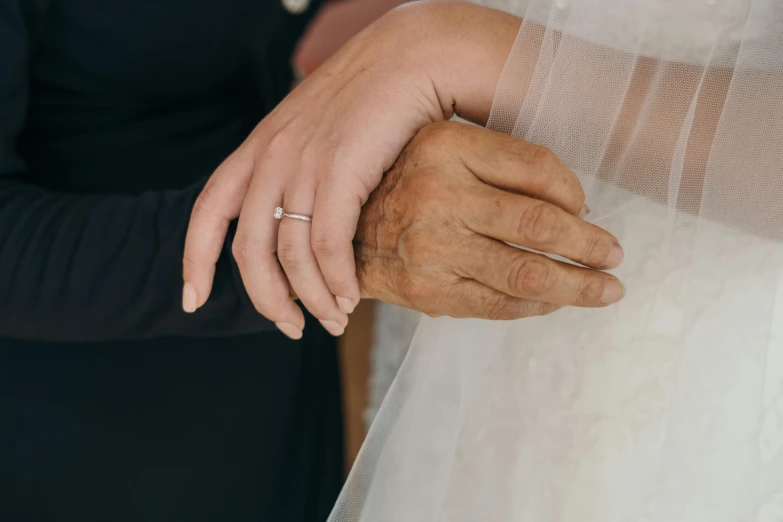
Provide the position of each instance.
(375, 256)
(373, 275)
(460, 49)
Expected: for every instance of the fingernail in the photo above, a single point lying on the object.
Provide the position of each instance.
(346, 305)
(290, 330)
(584, 212)
(189, 298)
(613, 292)
(333, 327)
(616, 255)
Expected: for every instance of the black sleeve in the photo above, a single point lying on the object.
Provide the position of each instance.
(93, 267)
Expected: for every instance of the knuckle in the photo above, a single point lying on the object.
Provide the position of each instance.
(324, 244)
(548, 308)
(281, 141)
(188, 262)
(576, 187)
(540, 223)
(190, 267)
(501, 308)
(591, 290)
(344, 284)
(205, 202)
(597, 250)
(544, 160)
(320, 306)
(547, 173)
(530, 276)
(534, 309)
(289, 255)
(543, 166)
(242, 250)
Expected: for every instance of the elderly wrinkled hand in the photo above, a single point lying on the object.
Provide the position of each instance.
(434, 235)
(323, 150)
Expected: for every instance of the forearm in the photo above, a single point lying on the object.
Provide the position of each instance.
(462, 48)
(76, 268)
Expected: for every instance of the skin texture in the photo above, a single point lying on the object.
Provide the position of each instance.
(431, 237)
(325, 148)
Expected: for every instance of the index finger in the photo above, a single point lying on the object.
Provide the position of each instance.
(219, 202)
(541, 226)
(522, 167)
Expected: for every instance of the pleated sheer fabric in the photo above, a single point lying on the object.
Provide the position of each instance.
(667, 407)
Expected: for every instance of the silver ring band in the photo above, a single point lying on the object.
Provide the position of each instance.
(280, 214)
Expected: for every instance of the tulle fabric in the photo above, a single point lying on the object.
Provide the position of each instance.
(669, 405)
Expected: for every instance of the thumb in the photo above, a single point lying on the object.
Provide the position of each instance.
(219, 202)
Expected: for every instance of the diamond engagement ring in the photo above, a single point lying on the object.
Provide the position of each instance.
(280, 214)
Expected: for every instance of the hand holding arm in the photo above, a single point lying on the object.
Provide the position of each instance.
(325, 148)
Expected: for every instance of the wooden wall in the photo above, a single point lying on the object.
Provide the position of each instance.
(355, 347)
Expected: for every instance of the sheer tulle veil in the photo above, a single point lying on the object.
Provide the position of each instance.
(669, 405)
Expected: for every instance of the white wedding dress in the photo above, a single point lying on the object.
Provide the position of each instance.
(667, 407)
